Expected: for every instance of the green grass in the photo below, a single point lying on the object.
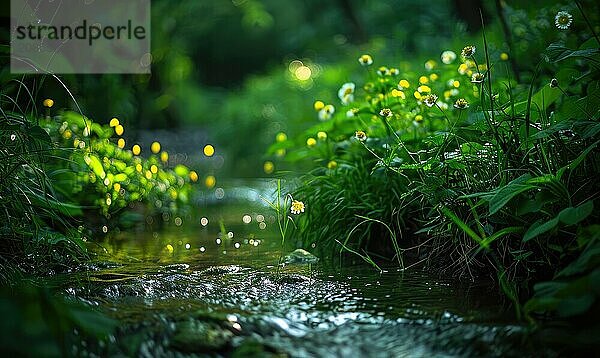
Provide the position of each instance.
(504, 188)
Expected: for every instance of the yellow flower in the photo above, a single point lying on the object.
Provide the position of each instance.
(210, 181)
(297, 207)
(164, 157)
(417, 95)
(48, 103)
(423, 89)
(360, 135)
(423, 80)
(116, 187)
(193, 176)
(319, 105)
(461, 103)
(430, 100)
(430, 65)
(477, 77)
(468, 51)
(209, 150)
(332, 164)
(138, 167)
(418, 118)
(113, 122)
(365, 60)
(121, 143)
(119, 129)
(398, 94)
(154, 169)
(311, 142)
(383, 71)
(456, 84)
(463, 68)
(403, 84)
(155, 147)
(433, 76)
(386, 112)
(148, 174)
(394, 71)
(504, 56)
(321, 135)
(136, 149)
(268, 167)
(67, 134)
(281, 137)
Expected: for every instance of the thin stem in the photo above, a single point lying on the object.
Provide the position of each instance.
(587, 21)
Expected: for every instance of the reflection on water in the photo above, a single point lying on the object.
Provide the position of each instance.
(215, 281)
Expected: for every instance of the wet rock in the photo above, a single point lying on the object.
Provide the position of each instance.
(221, 270)
(293, 279)
(196, 336)
(300, 257)
(252, 348)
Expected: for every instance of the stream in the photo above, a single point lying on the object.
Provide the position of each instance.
(208, 285)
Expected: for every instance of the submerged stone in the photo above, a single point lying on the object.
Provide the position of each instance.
(196, 336)
(300, 257)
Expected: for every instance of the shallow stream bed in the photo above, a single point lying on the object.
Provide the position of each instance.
(210, 286)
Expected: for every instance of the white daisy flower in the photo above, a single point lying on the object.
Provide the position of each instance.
(346, 93)
(563, 20)
(448, 57)
(326, 112)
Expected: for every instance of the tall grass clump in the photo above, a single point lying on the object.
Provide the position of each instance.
(473, 172)
(33, 222)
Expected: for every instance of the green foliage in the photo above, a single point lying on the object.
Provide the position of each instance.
(468, 167)
(99, 173)
(35, 322)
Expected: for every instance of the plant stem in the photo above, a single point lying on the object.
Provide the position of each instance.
(587, 21)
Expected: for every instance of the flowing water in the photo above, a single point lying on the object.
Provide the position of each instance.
(208, 284)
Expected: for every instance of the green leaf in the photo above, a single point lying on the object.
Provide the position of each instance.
(464, 227)
(539, 227)
(557, 52)
(509, 191)
(575, 163)
(40, 134)
(572, 216)
(588, 259)
(96, 165)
